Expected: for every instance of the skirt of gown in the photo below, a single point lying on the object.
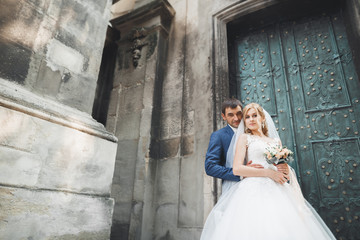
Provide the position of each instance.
(257, 208)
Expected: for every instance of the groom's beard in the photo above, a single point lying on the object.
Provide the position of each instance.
(235, 124)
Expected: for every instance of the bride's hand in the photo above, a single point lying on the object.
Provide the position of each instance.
(283, 167)
(278, 177)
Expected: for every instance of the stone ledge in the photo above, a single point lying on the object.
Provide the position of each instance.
(17, 98)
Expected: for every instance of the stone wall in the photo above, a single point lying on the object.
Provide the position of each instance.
(160, 188)
(60, 170)
(54, 48)
(158, 183)
(56, 162)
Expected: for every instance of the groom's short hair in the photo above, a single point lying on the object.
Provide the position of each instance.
(230, 103)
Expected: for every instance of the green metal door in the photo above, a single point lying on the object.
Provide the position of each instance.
(303, 74)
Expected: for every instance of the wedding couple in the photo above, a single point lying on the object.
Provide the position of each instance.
(267, 203)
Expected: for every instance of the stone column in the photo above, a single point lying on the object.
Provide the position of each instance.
(134, 115)
(56, 162)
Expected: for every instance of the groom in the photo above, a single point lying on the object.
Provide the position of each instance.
(231, 112)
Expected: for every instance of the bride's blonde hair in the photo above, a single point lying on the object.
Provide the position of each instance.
(260, 111)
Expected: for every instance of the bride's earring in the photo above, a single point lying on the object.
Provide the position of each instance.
(263, 125)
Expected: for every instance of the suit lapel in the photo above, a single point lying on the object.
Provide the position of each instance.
(229, 130)
(228, 133)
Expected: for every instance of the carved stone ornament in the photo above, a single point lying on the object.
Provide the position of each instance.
(136, 37)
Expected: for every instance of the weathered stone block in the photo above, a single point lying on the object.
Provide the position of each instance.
(78, 18)
(99, 5)
(121, 54)
(187, 145)
(15, 17)
(18, 131)
(189, 122)
(190, 208)
(168, 184)
(111, 123)
(128, 126)
(31, 214)
(164, 148)
(165, 221)
(129, 103)
(119, 230)
(122, 212)
(114, 101)
(48, 80)
(170, 124)
(58, 54)
(134, 77)
(59, 157)
(81, 26)
(19, 166)
(83, 97)
(124, 173)
(40, 4)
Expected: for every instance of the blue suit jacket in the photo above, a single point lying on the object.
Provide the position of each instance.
(216, 155)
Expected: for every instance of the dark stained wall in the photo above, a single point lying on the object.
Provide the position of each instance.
(53, 48)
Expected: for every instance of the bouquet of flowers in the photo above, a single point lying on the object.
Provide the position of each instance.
(276, 155)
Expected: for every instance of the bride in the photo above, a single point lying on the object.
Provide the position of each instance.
(263, 205)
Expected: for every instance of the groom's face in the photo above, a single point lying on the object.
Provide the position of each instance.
(232, 116)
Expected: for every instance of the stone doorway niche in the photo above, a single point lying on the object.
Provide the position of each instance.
(247, 15)
(224, 21)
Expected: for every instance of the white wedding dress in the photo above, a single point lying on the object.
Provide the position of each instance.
(257, 208)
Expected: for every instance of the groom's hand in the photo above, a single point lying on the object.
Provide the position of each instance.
(249, 164)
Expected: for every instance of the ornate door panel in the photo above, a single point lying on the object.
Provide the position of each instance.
(303, 74)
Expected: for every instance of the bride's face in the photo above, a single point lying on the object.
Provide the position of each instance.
(253, 120)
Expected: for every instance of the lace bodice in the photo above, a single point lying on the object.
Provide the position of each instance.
(256, 149)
